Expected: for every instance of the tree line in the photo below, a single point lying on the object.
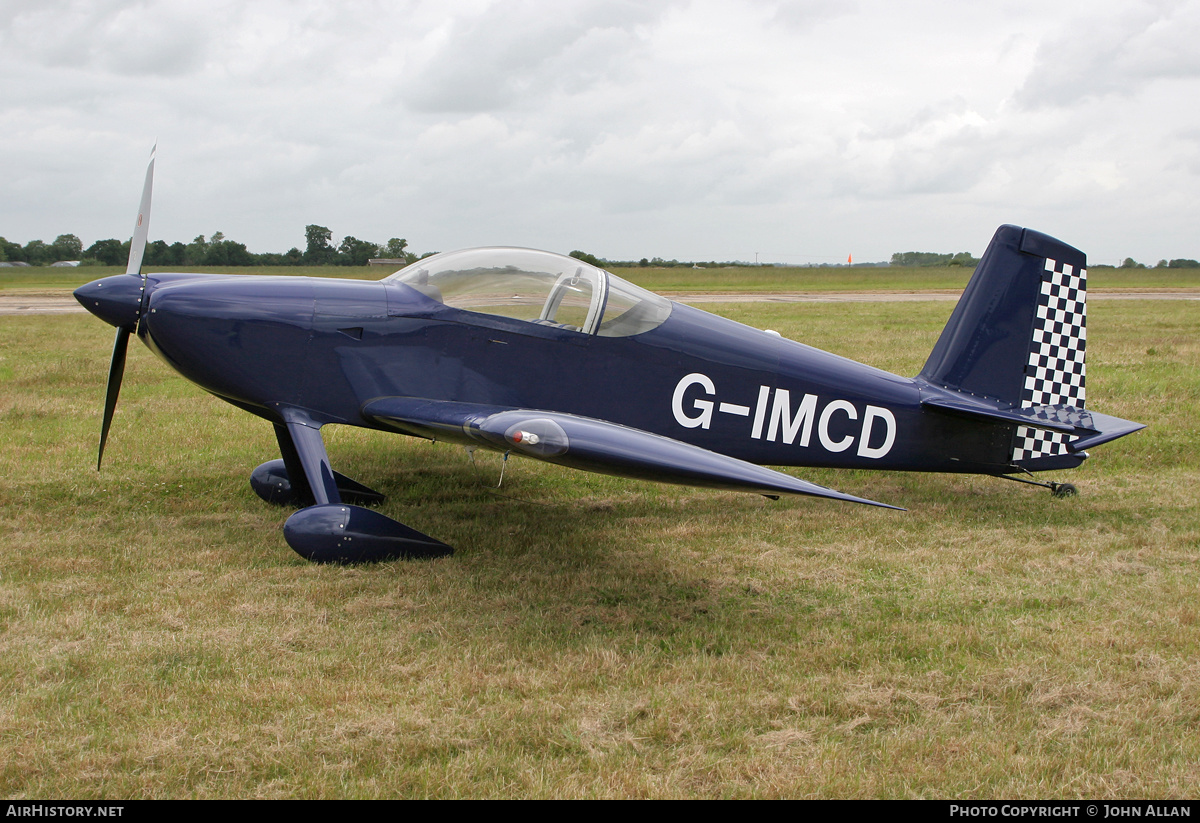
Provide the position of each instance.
(217, 250)
(1177, 263)
(319, 250)
(920, 258)
(925, 258)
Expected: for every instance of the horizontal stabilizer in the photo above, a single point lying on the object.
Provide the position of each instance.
(1087, 428)
(1106, 428)
(1054, 418)
(589, 444)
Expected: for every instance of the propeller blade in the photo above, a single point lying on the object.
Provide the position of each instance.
(141, 230)
(137, 250)
(116, 370)
(137, 246)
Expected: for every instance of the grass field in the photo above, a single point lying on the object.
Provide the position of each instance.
(595, 636)
(729, 280)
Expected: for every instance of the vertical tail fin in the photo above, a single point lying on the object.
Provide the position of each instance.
(1018, 333)
(1018, 338)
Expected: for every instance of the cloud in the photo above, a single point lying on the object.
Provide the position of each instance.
(519, 52)
(1114, 51)
(130, 39)
(676, 128)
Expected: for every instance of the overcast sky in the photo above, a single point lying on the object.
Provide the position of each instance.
(798, 131)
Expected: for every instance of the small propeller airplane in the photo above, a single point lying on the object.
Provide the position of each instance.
(536, 354)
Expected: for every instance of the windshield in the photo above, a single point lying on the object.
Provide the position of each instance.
(539, 287)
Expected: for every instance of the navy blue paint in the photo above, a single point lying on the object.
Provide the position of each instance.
(333, 533)
(590, 444)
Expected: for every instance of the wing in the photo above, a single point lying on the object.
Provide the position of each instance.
(589, 444)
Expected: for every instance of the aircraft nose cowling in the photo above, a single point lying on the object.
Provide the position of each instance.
(115, 300)
(240, 337)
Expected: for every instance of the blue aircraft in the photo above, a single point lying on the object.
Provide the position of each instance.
(532, 353)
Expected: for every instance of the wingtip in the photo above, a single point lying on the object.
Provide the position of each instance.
(866, 502)
(815, 490)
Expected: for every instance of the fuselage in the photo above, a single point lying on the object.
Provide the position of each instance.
(329, 346)
(527, 351)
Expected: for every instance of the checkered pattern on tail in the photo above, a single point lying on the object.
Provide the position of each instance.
(1055, 373)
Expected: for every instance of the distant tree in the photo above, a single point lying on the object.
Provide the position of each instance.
(355, 252)
(15, 252)
(294, 257)
(319, 251)
(222, 252)
(238, 254)
(1130, 263)
(590, 259)
(195, 251)
(1183, 263)
(156, 253)
(644, 263)
(66, 247)
(395, 249)
(215, 254)
(1162, 264)
(37, 253)
(106, 252)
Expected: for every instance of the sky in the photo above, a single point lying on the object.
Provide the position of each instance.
(783, 131)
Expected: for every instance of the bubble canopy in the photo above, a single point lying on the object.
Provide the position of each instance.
(539, 287)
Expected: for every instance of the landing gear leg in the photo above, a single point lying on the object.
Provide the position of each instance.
(330, 531)
(283, 482)
(1059, 490)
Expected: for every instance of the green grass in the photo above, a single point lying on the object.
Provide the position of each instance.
(942, 278)
(595, 636)
(730, 280)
